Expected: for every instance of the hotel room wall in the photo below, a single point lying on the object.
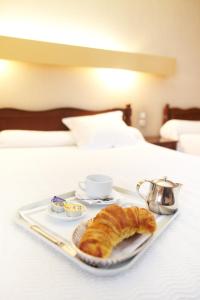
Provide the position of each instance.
(166, 27)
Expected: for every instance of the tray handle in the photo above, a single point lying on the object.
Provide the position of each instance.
(66, 247)
(46, 235)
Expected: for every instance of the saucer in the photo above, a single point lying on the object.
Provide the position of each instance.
(82, 196)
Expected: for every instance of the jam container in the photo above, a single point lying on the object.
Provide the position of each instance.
(57, 204)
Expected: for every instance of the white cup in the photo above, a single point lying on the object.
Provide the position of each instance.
(97, 186)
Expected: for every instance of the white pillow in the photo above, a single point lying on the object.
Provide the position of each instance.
(34, 138)
(105, 130)
(95, 120)
(189, 143)
(172, 129)
(112, 137)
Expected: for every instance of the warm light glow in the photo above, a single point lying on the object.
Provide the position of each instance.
(85, 37)
(117, 79)
(76, 24)
(4, 66)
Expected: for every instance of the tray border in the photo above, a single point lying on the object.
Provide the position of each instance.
(23, 222)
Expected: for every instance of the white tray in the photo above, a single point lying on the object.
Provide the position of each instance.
(57, 233)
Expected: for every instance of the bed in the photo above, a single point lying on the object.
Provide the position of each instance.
(20, 128)
(170, 269)
(182, 125)
(49, 119)
(170, 112)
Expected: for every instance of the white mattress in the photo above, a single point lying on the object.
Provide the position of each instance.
(29, 269)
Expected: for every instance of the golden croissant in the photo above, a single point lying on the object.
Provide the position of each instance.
(112, 225)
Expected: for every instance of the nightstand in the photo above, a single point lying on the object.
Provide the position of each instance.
(157, 140)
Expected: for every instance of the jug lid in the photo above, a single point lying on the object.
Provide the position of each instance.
(164, 182)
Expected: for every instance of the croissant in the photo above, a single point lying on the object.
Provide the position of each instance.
(112, 225)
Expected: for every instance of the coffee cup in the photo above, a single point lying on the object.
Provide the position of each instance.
(97, 186)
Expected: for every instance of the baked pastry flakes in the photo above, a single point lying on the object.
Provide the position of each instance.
(112, 225)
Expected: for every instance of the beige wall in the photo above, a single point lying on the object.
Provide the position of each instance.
(163, 27)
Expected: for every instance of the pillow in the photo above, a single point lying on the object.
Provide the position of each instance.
(172, 129)
(98, 120)
(189, 143)
(112, 137)
(105, 130)
(32, 138)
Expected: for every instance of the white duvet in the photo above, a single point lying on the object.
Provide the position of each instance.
(30, 270)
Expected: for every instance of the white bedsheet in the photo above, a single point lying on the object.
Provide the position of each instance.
(30, 270)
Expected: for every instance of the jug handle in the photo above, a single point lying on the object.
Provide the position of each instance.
(138, 186)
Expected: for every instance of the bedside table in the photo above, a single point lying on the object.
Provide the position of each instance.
(157, 140)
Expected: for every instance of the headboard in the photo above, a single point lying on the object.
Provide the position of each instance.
(48, 119)
(169, 113)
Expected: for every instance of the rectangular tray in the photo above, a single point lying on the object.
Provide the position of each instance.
(34, 218)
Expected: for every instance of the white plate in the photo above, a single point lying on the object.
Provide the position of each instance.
(128, 248)
(81, 195)
(63, 216)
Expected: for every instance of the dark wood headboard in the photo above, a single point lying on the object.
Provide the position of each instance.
(48, 119)
(169, 113)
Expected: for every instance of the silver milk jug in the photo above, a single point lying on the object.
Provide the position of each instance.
(162, 195)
